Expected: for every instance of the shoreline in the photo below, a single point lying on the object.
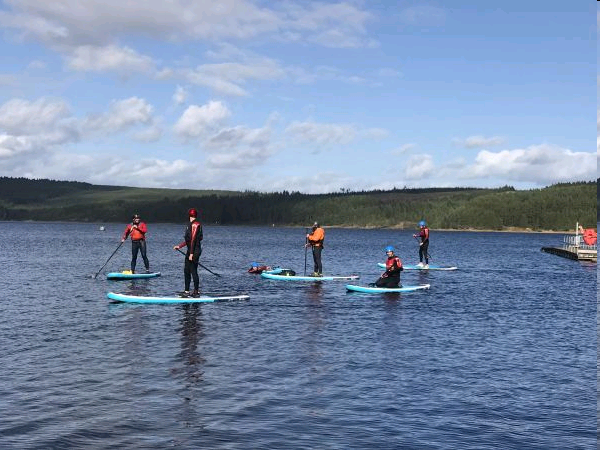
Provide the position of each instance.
(350, 227)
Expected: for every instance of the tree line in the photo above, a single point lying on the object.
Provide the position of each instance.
(555, 207)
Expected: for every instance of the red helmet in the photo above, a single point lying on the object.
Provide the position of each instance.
(192, 212)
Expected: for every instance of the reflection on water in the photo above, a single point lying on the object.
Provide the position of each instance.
(499, 354)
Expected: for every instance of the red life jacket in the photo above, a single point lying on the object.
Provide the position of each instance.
(393, 265)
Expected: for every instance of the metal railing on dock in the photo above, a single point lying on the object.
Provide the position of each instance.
(575, 248)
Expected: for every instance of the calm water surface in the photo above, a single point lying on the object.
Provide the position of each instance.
(500, 354)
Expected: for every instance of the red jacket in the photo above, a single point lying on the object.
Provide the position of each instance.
(137, 234)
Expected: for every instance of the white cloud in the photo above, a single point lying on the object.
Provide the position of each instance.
(98, 22)
(7, 79)
(419, 166)
(479, 141)
(19, 116)
(150, 134)
(541, 164)
(404, 148)
(197, 120)
(239, 147)
(321, 133)
(89, 58)
(423, 15)
(36, 65)
(180, 95)
(122, 114)
(227, 78)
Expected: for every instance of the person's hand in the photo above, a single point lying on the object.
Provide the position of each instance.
(122, 240)
(175, 247)
(307, 236)
(191, 256)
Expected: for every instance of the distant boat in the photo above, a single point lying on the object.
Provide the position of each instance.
(102, 228)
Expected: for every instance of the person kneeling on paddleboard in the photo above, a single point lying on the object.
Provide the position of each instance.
(193, 242)
(137, 230)
(393, 266)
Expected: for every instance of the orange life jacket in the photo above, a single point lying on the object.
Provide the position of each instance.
(590, 236)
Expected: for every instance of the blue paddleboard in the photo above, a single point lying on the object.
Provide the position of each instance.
(130, 276)
(272, 276)
(378, 290)
(173, 299)
(415, 267)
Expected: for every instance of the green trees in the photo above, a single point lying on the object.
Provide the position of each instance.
(556, 207)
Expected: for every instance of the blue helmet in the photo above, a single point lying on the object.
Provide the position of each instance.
(422, 223)
(389, 248)
(254, 264)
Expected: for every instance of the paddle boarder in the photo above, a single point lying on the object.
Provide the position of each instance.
(393, 266)
(193, 242)
(315, 239)
(423, 245)
(258, 268)
(137, 230)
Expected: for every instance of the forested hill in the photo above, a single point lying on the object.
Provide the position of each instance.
(557, 207)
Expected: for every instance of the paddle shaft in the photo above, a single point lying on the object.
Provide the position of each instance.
(305, 250)
(109, 258)
(204, 267)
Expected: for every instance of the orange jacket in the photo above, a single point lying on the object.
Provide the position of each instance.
(317, 237)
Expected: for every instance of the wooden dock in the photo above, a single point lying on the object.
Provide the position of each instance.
(573, 253)
(574, 248)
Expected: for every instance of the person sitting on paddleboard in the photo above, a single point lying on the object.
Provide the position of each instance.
(258, 268)
(424, 244)
(315, 239)
(137, 230)
(393, 266)
(193, 242)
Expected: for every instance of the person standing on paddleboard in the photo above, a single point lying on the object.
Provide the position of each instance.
(315, 240)
(424, 244)
(137, 230)
(193, 242)
(393, 266)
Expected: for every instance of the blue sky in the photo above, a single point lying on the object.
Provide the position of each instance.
(299, 95)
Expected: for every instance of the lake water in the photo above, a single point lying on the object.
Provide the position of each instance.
(500, 354)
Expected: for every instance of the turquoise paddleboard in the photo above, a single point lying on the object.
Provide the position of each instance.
(173, 299)
(272, 276)
(378, 290)
(130, 276)
(415, 267)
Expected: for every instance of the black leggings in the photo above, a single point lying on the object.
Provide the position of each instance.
(141, 247)
(190, 270)
(388, 282)
(423, 252)
(317, 259)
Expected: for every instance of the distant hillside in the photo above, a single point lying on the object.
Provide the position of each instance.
(556, 207)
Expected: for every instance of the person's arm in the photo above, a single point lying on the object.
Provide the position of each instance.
(126, 232)
(142, 227)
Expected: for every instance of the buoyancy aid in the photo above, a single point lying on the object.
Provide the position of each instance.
(393, 266)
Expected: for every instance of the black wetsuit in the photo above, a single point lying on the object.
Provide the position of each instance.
(193, 242)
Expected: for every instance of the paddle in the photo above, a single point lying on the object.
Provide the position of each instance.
(204, 267)
(113, 254)
(305, 250)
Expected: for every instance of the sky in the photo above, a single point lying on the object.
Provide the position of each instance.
(299, 95)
